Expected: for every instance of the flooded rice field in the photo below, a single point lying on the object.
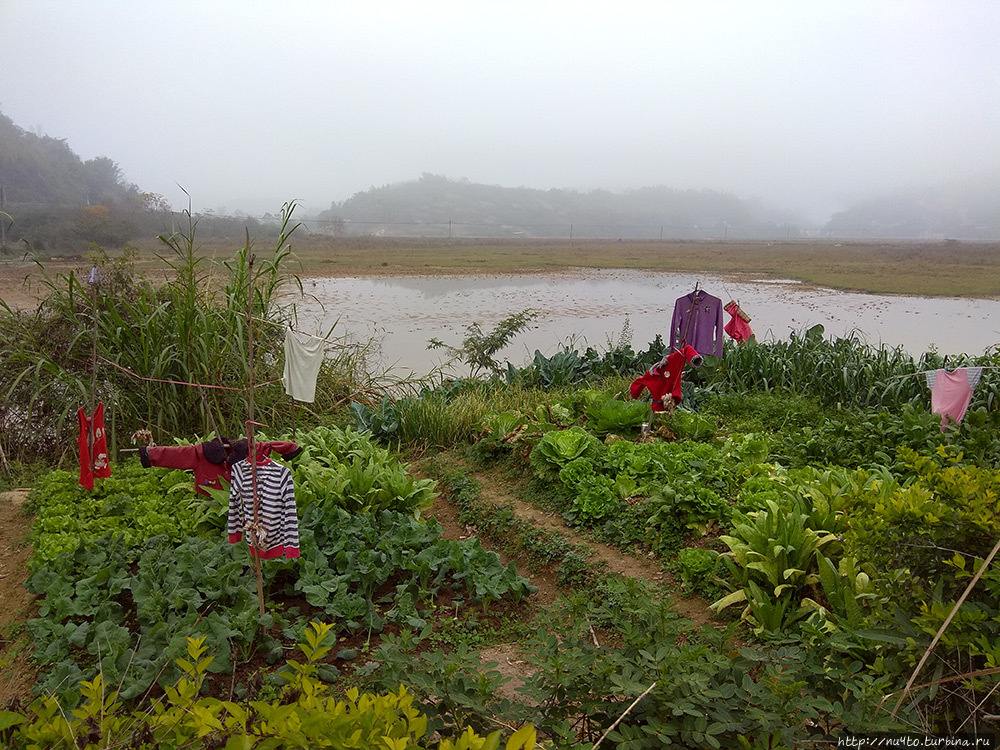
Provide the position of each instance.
(592, 308)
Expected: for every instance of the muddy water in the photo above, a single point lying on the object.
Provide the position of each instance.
(592, 308)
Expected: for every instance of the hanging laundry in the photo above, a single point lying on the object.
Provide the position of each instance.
(93, 444)
(697, 321)
(663, 381)
(951, 392)
(212, 461)
(303, 357)
(277, 533)
(738, 326)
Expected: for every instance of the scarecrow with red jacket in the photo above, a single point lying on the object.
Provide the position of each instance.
(663, 381)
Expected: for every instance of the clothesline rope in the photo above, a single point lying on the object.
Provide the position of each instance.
(182, 382)
(924, 372)
(297, 330)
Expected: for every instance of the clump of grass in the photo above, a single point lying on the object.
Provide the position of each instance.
(191, 328)
(842, 371)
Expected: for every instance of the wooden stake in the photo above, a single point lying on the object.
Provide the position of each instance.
(93, 281)
(635, 703)
(944, 626)
(3, 460)
(251, 448)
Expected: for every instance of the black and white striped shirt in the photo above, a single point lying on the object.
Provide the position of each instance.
(276, 493)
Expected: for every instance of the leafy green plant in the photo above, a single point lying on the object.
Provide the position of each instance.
(453, 688)
(347, 469)
(689, 425)
(848, 589)
(304, 715)
(558, 447)
(772, 554)
(696, 690)
(611, 415)
(689, 506)
(697, 567)
(132, 505)
(592, 494)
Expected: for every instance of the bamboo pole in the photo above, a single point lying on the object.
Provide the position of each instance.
(93, 281)
(944, 626)
(251, 448)
(3, 460)
(628, 710)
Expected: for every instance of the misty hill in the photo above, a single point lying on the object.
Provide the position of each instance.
(60, 202)
(967, 210)
(40, 169)
(435, 205)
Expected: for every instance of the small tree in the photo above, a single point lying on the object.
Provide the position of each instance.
(478, 348)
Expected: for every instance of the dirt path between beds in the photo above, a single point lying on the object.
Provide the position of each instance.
(508, 657)
(17, 674)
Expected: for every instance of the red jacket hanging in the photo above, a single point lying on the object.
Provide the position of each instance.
(212, 460)
(664, 378)
(94, 460)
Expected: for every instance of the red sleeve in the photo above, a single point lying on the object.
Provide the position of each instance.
(170, 456)
(637, 387)
(285, 448)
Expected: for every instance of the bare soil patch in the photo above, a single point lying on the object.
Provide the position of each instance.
(511, 664)
(17, 674)
(20, 285)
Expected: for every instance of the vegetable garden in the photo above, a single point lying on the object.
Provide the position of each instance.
(838, 542)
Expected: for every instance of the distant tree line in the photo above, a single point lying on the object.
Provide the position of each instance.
(434, 204)
(54, 201)
(969, 211)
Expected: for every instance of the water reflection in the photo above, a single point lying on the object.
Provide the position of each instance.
(592, 307)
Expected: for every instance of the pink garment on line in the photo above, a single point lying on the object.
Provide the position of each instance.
(951, 392)
(737, 328)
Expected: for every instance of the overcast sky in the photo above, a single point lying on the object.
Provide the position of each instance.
(804, 103)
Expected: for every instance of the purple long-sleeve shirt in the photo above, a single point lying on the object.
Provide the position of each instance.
(697, 321)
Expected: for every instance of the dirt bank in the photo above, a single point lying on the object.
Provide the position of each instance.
(17, 675)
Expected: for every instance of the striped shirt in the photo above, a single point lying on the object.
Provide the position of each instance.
(276, 494)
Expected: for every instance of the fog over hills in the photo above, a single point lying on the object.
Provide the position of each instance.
(806, 109)
(56, 196)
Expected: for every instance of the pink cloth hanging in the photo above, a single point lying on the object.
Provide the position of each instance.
(951, 392)
(738, 326)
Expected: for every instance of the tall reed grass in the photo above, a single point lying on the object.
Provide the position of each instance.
(444, 417)
(813, 372)
(192, 328)
(845, 371)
